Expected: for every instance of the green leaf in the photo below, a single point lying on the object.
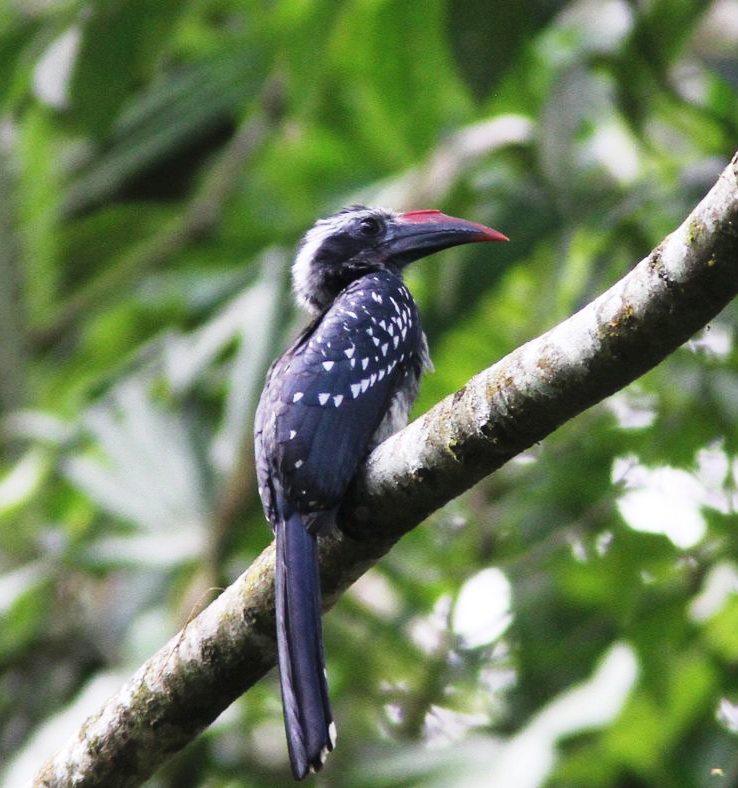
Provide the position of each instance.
(16, 37)
(39, 193)
(120, 39)
(170, 114)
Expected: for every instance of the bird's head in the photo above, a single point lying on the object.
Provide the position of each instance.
(358, 240)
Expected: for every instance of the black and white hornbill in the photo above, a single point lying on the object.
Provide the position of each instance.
(341, 388)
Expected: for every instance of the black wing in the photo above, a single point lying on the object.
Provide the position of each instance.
(326, 396)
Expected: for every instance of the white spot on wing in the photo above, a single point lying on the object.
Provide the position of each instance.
(349, 351)
(323, 398)
(297, 396)
(338, 399)
(396, 341)
(384, 348)
(355, 389)
(364, 384)
(292, 434)
(365, 362)
(299, 464)
(328, 365)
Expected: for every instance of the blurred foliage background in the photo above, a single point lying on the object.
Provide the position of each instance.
(573, 620)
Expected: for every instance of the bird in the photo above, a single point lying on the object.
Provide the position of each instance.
(342, 387)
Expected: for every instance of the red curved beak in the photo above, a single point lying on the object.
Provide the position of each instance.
(471, 231)
(418, 234)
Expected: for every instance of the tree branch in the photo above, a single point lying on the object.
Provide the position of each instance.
(649, 313)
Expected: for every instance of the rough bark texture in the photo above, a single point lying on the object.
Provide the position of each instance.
(668, 296)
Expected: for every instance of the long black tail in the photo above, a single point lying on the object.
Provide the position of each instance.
(307, 714)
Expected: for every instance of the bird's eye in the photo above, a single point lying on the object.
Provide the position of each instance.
(370, 226)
